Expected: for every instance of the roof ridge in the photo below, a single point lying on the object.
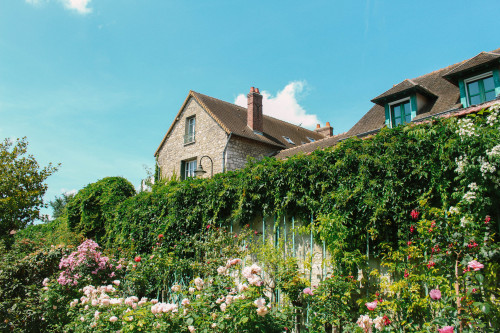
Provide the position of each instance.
(442, 69)
(220, 100)
(246, 110)
(314, 142)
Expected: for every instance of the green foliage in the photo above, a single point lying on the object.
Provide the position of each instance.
(91, 211)
(334, 303)
(21, 187)
(22, 271)
(59, 204)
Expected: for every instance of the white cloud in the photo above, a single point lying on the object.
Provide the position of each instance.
(69, 192)
(284, 105)
(79, 5)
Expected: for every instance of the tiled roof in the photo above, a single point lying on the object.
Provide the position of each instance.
(448, 98)
(310, 147)
(483, 58)
(446, 102)
(400, 89)
(233, 119)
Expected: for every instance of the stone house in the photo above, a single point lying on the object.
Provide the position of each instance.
(221, 135)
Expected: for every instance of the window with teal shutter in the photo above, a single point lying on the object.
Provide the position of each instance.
(481, 90)
(400, 113)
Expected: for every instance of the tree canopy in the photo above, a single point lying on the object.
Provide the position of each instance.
(21, 186)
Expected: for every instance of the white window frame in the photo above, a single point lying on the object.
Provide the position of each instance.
(288, 140)
(310, 139)
(189, 168)
(397, 102)
(190, 125)
(472, 79)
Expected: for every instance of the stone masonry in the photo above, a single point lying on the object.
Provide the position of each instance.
(210, 140)
(240, 148)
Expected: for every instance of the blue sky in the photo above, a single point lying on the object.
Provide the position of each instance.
(94, 85)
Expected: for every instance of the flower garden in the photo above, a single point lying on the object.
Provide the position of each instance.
(410, 218)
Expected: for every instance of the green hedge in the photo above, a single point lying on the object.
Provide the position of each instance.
(357, 189)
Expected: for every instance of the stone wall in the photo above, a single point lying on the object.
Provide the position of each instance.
(239, 148)
(210, 140)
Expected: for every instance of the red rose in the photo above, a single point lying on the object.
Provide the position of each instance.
(414, 214)
(487, 219)
(160, 236)
(137, 259)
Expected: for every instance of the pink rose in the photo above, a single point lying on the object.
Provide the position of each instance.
(371, 306)
(308, 291)
(475, 265)
(446, 329)
(435, 294)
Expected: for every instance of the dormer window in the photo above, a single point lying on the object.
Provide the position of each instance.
(480, 88)
(400, 112)
(310, 139)
(404, 101)
(478, 78)
(288, 140)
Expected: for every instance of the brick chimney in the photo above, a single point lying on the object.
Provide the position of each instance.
(254, 114)
(326, 131)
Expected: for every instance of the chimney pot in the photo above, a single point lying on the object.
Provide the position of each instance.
(318, 126)
(326, 131)
(252, 89)
(257, 90)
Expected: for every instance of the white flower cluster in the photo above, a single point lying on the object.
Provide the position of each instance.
(466, 127)
(494, 152)
(486, 167)
(365, 322)
(262, 309)
(469, 196)
(159, 308)
(492, 119)
(461, 164)
(464, 221)
(251, 273)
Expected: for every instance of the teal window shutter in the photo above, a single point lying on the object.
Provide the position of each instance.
(387, 116)
(496, 79)
(463, 94)
(413, 102)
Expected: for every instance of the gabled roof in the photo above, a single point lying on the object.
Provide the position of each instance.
(233, 120)
(402, 89)
(448, 97)
(482, 59)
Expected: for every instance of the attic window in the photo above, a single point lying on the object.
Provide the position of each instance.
(288, 140)
(480, 88)
(400, 112)
(310, 139)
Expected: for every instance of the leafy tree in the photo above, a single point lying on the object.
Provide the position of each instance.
(59, 204)
(91, 211)
(21, 187)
